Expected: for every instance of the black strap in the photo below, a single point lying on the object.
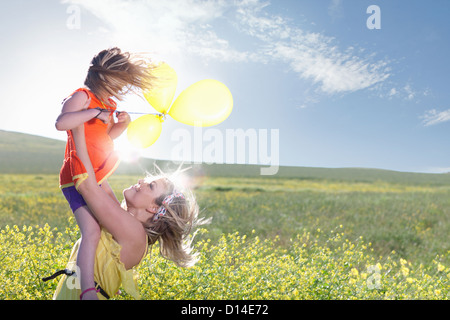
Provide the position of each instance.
(100, 289)
(68, 272)
(99, 112)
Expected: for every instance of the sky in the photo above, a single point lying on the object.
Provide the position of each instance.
(329, 83)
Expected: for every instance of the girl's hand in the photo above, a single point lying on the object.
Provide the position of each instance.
(123, 117)
(123, 120)
(104, 115)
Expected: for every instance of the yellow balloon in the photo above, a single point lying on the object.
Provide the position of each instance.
(144, 131)
(204, 103)
(161, 96)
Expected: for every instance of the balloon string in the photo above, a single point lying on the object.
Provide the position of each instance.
(161, 115)
(156, 114)
(119, 112)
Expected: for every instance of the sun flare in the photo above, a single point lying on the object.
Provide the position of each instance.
(127, 152)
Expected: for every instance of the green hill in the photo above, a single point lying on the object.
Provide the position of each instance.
(24, 153)
(29, 154)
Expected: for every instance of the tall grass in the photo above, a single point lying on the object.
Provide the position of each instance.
(270, 238)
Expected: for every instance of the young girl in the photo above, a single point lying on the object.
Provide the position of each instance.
(87, 116)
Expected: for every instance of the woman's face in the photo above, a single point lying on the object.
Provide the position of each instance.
(143, 195)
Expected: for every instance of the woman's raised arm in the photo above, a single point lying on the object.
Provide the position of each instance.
(125, 229)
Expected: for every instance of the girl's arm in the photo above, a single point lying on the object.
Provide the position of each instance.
(73, 115)
(74, 112)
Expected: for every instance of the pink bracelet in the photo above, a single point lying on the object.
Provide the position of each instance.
(87, 290)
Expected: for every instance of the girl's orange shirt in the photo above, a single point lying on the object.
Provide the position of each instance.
(99, 145)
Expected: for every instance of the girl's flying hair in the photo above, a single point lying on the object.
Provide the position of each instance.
(114, 73)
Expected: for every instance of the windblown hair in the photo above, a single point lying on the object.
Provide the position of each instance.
(173, 230)
(114, 73)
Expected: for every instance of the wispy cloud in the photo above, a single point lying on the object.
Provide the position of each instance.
(176, 27)
(335, 10)
(313, 56)
(433, 117)
(404, 92)
(205, 29)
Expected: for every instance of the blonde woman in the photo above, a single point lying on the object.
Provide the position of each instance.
(152, 210)
(87, 115)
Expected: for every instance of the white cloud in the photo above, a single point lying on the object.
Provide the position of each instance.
(175, 27)
(410, 94)
(432, 117)
(335, 10)
(333, 71)
(188, 27)
(393, 92)
(313, 56)
(403, 92)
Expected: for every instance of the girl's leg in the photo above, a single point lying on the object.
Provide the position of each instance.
(90, 235)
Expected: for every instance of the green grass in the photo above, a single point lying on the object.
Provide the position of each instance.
(306, 233)
(270, 238)
(412, 220)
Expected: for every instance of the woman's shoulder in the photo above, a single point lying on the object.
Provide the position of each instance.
(134, 247)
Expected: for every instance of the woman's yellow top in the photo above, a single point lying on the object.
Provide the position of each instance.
(109, 272)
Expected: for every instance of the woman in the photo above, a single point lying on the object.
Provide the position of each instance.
(152, 210)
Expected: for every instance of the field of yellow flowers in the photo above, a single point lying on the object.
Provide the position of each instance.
(269, 239)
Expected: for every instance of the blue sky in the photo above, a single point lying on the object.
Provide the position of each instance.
(339, 94)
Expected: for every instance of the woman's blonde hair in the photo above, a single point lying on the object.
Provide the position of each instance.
(173, 229)
(114, 73)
